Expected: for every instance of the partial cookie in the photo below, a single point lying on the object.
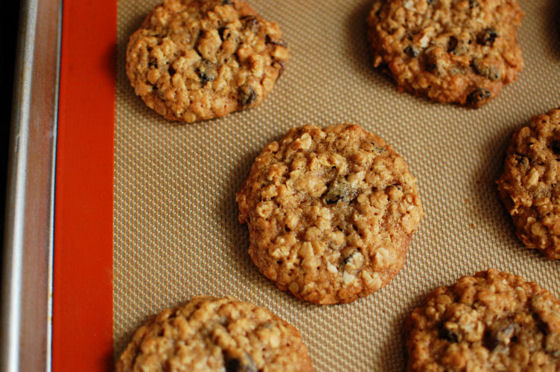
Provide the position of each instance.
(451, 51)
(494, 321)
(216, 334)
(194, 59)
(330, 211)
(530, 187)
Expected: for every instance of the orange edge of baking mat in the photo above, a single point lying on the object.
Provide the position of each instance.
(82, 334)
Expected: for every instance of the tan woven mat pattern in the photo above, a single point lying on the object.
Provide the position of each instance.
(176, 233)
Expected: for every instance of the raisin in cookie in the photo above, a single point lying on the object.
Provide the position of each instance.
(194, 59)
(494, 321)
(530, 187)
(211, 334)
(459, 51)
(330, 211)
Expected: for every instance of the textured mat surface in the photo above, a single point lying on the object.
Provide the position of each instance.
(176, 233)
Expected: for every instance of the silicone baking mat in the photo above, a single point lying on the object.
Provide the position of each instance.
(176, 232)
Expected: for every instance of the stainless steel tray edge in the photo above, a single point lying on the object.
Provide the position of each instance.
(25, 338)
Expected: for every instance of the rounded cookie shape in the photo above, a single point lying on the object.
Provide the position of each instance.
(451, 51)
(330, 212)
(201, 59)
(493, 321)
(529, 186)
(216, 334)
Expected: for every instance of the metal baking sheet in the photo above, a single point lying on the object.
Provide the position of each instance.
(167, 220)
(26, 282)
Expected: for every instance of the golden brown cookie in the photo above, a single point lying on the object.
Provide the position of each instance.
(201, 59)
(216, 334)
(330, 212)
(456, 51)
(530, 187)
(494, 321)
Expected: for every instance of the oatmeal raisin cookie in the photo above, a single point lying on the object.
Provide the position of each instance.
(216, 334)
(330, 211)
(460, 51)
(493, 321)
(201, 59)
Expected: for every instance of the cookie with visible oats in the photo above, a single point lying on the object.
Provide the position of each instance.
(530, 187)
(195, 60)
(451, 51)
(493, 321)
(216, 334)
(330, 212)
